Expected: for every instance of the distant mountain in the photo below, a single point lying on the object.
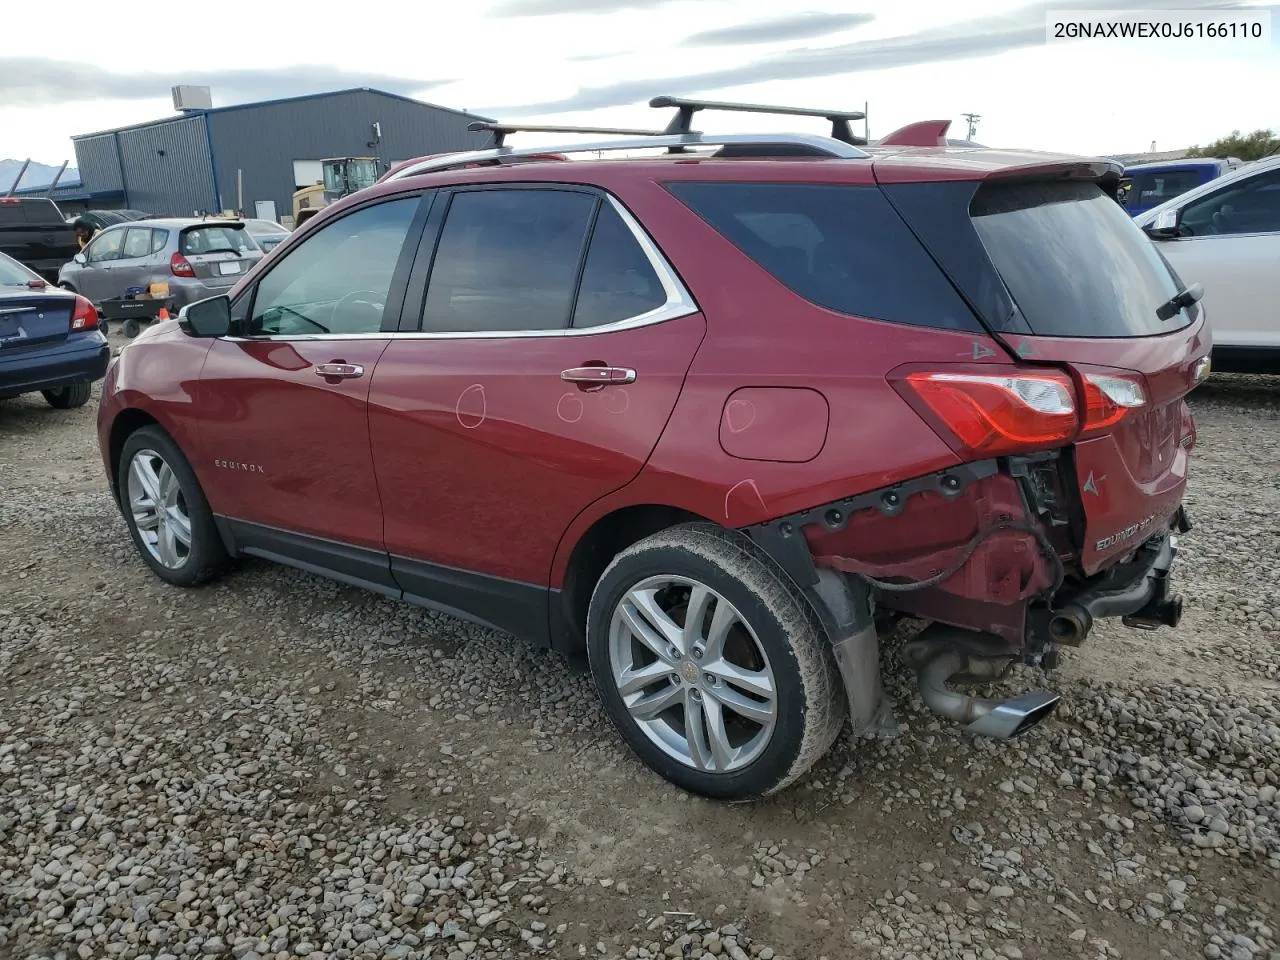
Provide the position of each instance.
(37, 175)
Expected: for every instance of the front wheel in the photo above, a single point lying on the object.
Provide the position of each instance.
(131, 328)
(69, 397)
(166, 511)
(711, 664)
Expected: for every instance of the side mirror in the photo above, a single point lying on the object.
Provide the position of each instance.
(1166, 226)
(81, 259)
(206, 318)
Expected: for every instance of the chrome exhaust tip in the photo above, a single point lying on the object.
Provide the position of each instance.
(940, 657)
(1015, 716)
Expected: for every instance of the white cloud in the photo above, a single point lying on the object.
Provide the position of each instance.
(1094, 96)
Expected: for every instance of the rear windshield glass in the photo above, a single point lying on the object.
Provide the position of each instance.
(14, 274)
(1150, 189)
(30, 211)
(1073, 260)
(216, 239)
(841, 247)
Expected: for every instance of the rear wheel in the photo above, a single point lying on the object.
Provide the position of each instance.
(166, 511)
(712, 666)
(131, 328)
(69, 397)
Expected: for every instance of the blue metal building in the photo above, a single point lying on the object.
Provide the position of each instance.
(253, 156)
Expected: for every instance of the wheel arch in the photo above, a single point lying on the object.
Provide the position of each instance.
(606, 537)
(127, 422)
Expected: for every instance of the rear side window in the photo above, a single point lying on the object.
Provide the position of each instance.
(618, 281)
(507, 260)
(159, 240)
(216, 239)
(137, 243)
(1073, 260)
(840, 247)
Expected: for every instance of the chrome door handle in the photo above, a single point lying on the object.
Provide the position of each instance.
(344, 371)
(598, 375)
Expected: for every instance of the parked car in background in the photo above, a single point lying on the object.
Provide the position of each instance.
(1146, 185)
(1225, 235)
(101, 219)
(197, 258)
(49, 339)
(34, 232)
(706, 416)
(266, 233)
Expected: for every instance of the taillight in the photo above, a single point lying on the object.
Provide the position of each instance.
(85, 315)
(994, 415)
(1108, 399)
(180, 266)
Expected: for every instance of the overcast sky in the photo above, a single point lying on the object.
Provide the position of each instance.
(599, 61)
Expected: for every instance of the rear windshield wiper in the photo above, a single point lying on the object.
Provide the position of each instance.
(1184, 298)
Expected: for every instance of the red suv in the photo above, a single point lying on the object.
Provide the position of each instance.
(717, 416)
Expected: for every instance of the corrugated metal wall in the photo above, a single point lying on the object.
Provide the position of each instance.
(167, 169)
(263, 141)
(98, 163)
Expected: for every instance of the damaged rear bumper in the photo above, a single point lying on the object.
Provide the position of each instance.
(970, 638)
(1139, 592)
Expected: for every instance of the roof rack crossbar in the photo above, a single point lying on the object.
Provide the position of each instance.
(686, 108)
(501, 130)
(821, 146)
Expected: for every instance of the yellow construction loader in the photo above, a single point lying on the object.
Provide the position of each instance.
(342, 176)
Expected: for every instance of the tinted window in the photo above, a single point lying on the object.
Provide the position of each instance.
(137, 243)
(841, 247)
(106, 246)
(1247, 206)
(338, 279)
(30, 211)
(507, 260)
(618, 281)
(1073, 260)
(215, 239)
(159, 240)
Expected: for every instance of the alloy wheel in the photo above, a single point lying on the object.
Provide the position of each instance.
(692, 674)
(159, 509)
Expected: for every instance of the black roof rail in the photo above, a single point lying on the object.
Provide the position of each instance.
(686, 108)
(501, 130)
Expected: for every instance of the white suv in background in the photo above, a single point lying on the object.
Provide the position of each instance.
(1225, 235)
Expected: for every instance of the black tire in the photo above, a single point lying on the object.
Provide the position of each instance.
(131, 328)
(69, 397)
(104, 325)
(206, 557)
(810, 707)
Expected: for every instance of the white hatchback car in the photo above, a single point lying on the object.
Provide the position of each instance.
(1225, 235)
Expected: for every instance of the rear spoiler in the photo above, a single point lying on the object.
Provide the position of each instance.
(211, 222)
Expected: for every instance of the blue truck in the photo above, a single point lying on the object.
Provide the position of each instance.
(1147, 185)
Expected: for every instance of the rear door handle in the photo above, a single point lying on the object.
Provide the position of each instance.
(598, 375)
(345, 371)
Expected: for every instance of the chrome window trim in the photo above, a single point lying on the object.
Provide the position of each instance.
(679, 303)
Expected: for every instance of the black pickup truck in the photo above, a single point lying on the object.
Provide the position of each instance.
(34, 232)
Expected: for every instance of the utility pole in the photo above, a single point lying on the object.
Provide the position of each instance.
(973, 119)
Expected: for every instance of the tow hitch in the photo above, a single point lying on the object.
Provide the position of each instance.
(1144, 604)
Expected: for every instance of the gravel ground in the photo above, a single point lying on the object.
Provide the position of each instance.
(277, 766)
